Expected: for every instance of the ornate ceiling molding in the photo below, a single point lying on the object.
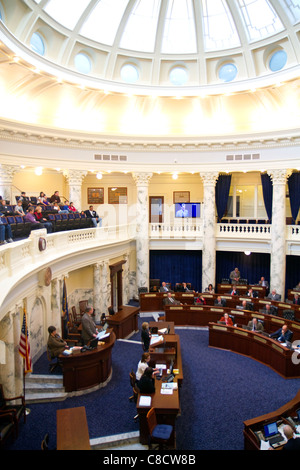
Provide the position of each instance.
(24, 133)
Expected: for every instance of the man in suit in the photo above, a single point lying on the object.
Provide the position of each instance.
(220, 302)
(283, 335)
(274, 296)
(254, 325)
(89, 329)
(235, 276)
(263, 282)
(169, 300)
(234, 291)
(252, 293)
(296, 299)
(164, 288)
(94, 216)
(293, 443)
(184, 288)
(269, 309)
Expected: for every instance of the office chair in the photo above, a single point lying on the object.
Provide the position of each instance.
(53, 361)
(17, 410)
(45, 442)
(288, 314)
(158, 433)
(135, 390)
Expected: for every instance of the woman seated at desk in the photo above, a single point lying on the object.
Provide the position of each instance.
(227, 320)
(142, 365)
(56, 344)
(147, 382)
(200, 300)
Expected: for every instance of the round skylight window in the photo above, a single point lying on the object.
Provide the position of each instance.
(83, 63)
(228, 72)
(178, 76)
(37, 44)
(129, 73)
(278, 60)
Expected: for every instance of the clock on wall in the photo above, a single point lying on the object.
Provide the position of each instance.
(42, 244)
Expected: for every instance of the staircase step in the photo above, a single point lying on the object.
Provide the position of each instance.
(44, 397)
(44, 388)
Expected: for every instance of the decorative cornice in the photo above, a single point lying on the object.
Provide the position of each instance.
(30, 134)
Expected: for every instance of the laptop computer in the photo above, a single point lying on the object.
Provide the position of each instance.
(93, 343)
(273, 435)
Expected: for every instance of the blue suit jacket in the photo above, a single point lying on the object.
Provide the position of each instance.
(282, 338)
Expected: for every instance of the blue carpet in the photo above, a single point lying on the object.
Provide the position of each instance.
(220, 390)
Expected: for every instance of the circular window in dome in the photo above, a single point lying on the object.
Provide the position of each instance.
(37, 44)
(129, 73)
(178, 76)
(227, 72)
(278, 60)
(83, 63)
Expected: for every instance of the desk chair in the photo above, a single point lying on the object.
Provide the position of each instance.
(54, 362)
(17, 410)
(135, 391)
(158, 433)
(7, 427)
(288, 314)
(45, 442)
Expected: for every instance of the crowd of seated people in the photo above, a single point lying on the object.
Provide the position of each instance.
(31, 213)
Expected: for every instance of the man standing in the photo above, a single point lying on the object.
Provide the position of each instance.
(89, 329)
(235, 276)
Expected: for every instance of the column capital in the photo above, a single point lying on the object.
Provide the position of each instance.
(7, 172)
(279, 176)
(142, 179)
(209, 177)
(75, 176)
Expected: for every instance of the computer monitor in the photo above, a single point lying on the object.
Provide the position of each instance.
(270, 429)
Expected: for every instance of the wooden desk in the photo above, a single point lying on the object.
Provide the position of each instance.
(242, 289)
(88, 369)
(203, 315)
(72, 429)
(153, 302)
(124, 322)
(167, 407)
(257, 346)
(254, 425)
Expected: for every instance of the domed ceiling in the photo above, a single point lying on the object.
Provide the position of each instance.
(151, 67)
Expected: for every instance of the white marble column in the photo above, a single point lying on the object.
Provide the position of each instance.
(209, 229)
(142, 228)
(126, 283)
(105, 286)
(278, 250)
(97, 292)
(56, 303)
(75, 178)
(7, 173)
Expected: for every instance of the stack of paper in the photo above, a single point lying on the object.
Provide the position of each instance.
(145, 401)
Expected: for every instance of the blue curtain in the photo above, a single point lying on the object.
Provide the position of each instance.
(177, 266)
(267, 188)
(221, 194)
(251, 267)
(294, 191)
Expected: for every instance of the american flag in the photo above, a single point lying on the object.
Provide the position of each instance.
(24, 346)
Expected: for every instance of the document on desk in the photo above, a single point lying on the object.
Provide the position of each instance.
(166, 391)
(145, 401)
(169, 386)
(156, 339)
(102, 334)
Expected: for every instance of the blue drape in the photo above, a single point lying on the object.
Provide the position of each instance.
(251, 267)
(177, 266)
(294, 191)
(221, 194)
(267, 188)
